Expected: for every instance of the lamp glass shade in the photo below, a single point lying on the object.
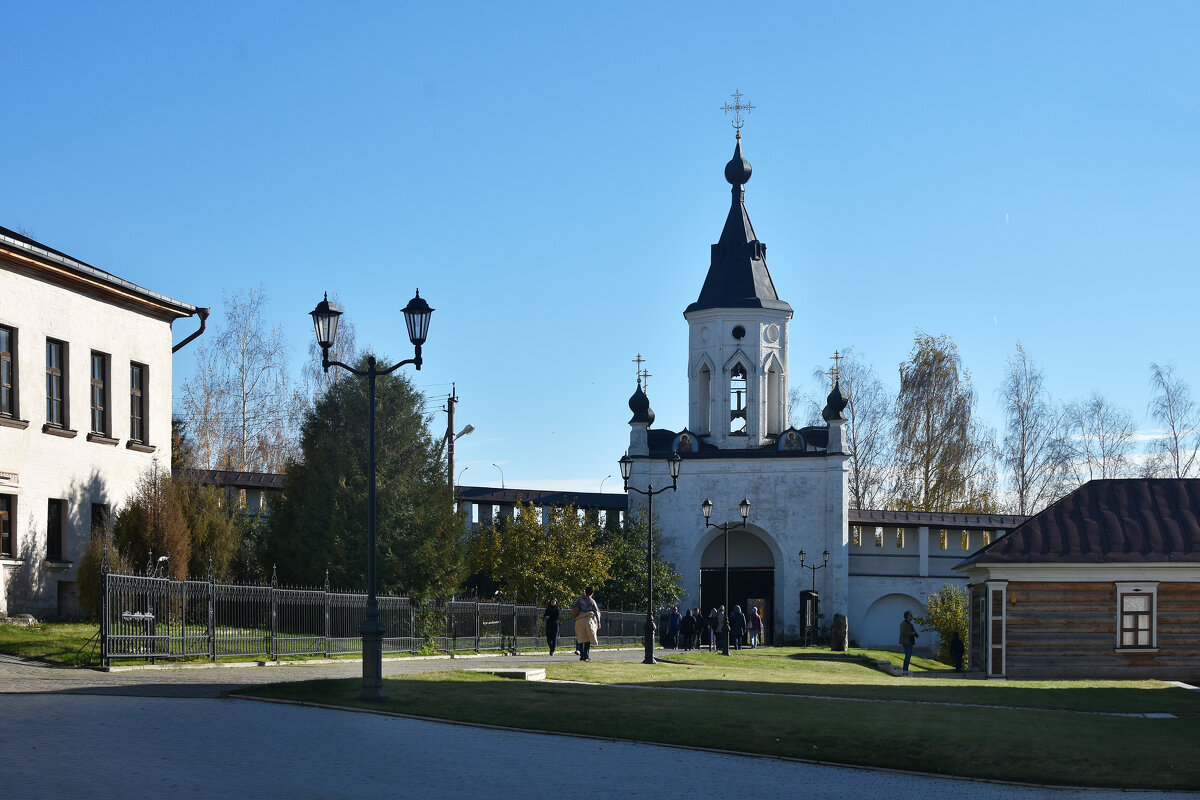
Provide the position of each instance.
(626, 464)
(802, 555)
(325, 322)
(706, 508)
(674, 462)
(744, 508)
(826, 554)
(416, 317)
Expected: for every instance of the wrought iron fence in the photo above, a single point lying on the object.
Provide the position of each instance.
(151, 618)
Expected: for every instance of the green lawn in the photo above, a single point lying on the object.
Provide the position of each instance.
(56, 643)
(1029, 737)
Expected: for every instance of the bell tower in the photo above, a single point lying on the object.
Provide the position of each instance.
(738, 334)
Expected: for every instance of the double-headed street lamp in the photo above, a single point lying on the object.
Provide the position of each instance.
(744, 509)
(674, 462)
(325, 320)
(816, 597)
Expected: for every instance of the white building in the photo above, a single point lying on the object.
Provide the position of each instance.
(85, 408)
(739, 443)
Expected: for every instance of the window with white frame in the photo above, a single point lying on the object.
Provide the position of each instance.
(1137, 610)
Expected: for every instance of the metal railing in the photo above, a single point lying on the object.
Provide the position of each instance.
(151, 618)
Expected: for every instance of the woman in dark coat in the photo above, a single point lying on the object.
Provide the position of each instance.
(551, 617)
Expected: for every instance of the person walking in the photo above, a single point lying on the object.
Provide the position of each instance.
(756, 627)
(687, 628)
(586, 613)
(713, 619)
(722, 628)
(550, 615)
(908, 638)
(673, 626)
(737, 627)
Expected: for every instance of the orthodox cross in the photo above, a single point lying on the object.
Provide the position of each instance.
(645, 378)
(835, 373)
(737, 108)
(639, 361)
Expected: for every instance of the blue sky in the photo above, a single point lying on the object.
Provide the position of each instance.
(550, 176)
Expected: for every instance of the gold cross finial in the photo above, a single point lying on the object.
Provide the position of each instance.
(645, 378)
(835, 373)
(639, 361)
(737, 108)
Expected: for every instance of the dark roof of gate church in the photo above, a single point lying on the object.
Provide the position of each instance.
(737, 272)
(1135, 520)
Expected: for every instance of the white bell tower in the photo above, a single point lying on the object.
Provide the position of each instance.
(738, 335)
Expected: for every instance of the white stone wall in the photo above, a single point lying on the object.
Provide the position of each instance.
(76, 470)
(796, 503)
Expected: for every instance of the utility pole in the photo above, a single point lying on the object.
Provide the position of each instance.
(449, 409)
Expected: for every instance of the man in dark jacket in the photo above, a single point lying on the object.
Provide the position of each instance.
(737, 627)
(687, 627)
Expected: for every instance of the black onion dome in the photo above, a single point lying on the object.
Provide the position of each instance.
(639, 404)
(835, 405)
(738, 170)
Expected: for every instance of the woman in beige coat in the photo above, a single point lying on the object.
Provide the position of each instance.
(586, 613)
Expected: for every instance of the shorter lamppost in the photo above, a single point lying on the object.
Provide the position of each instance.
(673, 463)
(325, 320)
(816, 597)
(706, 508)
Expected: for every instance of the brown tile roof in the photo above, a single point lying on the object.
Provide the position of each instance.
(1135, 520)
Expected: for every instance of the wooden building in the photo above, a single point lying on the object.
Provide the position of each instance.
(1105, 583)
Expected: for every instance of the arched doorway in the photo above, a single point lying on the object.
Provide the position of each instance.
(880, 625)
(751, 577)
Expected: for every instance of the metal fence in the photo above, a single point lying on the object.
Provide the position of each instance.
(150, 618)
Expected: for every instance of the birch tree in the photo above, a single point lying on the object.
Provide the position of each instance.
(1098, 437)
(1172, 407)
(943, 455)
(242, 409)
(1032, 451)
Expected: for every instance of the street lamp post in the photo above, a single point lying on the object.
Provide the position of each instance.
(817, 597)
(706, 508)
(673, 463)
(325, 320)
(497, 466)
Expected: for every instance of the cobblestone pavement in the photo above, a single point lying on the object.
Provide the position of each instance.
(168, 733)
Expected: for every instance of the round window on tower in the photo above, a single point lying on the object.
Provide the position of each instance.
(739, 332)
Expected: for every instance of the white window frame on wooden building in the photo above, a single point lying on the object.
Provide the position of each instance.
(997, 622)
(1137, 628)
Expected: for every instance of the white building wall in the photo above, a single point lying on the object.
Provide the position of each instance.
(796, 503)
(77, 470)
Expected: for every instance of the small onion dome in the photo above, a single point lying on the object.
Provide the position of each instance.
(639, 404)
(835, 405)
(738, 170)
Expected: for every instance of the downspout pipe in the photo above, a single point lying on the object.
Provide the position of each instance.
(203, 314)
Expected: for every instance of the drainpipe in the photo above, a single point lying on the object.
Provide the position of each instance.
(203, 314)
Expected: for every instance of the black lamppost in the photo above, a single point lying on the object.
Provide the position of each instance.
(816, 597)
(673, 463)
(744, 509)
(325, 319)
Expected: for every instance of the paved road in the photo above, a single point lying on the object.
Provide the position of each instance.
(168, 733)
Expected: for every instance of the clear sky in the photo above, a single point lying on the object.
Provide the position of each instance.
(550, 176)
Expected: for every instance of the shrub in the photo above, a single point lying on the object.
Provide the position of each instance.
(946, 613)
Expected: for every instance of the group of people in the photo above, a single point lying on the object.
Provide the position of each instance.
(689, 631)
(693, 630)
(586, 613)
